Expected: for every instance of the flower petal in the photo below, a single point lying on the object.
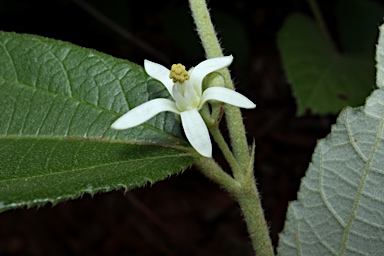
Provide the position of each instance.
(143, 113)
(208, 66)
(191, 99)
(227, 96)
(160, 73)
(196, 132)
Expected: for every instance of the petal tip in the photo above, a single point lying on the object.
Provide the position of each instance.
(117, 126)
(206, 153)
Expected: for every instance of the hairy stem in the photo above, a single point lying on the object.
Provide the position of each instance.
(250, 204)
(243, 186)
(212, 49)
(247, 196)
(213, 171)
(253, 213)
(218, 137)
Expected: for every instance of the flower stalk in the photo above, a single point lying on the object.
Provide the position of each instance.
(218, 137)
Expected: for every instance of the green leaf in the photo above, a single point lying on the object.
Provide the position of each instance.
(35, 171)
(322, 79)
(57, 103)
(354, 17)
(340, 206)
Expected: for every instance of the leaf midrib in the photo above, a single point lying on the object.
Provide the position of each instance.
(88, 168)
(78, 102)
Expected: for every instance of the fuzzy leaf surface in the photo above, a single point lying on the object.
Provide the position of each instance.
(57, 103)
(340, 206)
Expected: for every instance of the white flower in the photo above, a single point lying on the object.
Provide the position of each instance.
(186, 89)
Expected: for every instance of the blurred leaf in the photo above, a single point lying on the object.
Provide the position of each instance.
(58, 101)
(358, 20)
(322, 79)
(340, 204)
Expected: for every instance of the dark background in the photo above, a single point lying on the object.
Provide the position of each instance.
(186, 214)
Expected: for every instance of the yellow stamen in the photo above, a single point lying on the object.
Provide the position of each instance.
(178, 73)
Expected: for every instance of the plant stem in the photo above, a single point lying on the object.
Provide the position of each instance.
(250, 204)
(218, 137)
(212, 49)
(243, 186)
(249, 201)
(320, 21)
(214, 172)
(248, 198)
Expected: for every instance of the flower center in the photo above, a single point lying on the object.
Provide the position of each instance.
(178, 73)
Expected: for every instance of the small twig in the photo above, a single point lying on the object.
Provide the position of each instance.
(120, 30)
(320, 21)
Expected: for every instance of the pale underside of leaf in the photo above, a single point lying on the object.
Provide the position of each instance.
(340, 207)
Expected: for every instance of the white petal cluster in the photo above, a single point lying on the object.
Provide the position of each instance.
(188, 100)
